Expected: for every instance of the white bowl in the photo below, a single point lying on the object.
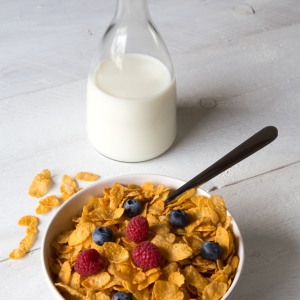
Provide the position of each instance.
(62, 219)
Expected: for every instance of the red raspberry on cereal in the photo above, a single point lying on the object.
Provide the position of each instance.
(89, 262)
(137, 229)
(146, 255)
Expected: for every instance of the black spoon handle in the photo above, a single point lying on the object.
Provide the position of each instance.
(250, 146)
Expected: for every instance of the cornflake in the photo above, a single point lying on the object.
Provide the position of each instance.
(86, 176)
(183, 273)
(40, 184)
(68, 187)
(25, 244)
(47, 204)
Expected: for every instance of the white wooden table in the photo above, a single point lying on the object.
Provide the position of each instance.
(237, 68)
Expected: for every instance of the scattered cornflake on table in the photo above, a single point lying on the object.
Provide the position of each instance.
(25, 244)
(68, 187)
(47, 204)
(86, 176)
(38, 188)
(40, 184)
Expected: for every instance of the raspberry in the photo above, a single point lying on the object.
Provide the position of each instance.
(89, 262)
(137, 229)
(146, 255)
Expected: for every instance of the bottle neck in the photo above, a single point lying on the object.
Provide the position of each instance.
(137, 9)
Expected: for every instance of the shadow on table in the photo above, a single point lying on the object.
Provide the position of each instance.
(194, 123)
(269, 267)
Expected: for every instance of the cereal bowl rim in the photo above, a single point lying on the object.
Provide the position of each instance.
(77, 201)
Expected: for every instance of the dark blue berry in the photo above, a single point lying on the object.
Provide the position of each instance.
(179, 218)
(121, 296)
(211, 250)
(101, 235)
(132, 207)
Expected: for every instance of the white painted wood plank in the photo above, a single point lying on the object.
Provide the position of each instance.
(23, 279)
(45, 45)
(267, 209)
(240, 67)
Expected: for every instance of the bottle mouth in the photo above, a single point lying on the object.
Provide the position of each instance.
(133, 8)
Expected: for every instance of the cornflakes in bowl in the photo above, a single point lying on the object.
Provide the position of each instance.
(183, 272)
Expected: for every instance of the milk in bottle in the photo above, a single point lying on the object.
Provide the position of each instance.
(131, 113)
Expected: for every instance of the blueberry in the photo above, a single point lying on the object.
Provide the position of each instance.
(121, 296)
(132, 208)
(101, 235)
(179, 218)
(211, 250)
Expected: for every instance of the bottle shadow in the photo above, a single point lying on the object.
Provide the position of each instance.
(193, 122)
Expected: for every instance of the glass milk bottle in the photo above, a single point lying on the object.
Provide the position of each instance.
(131, 92)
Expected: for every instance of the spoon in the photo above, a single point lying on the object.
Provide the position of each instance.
(256, 142)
